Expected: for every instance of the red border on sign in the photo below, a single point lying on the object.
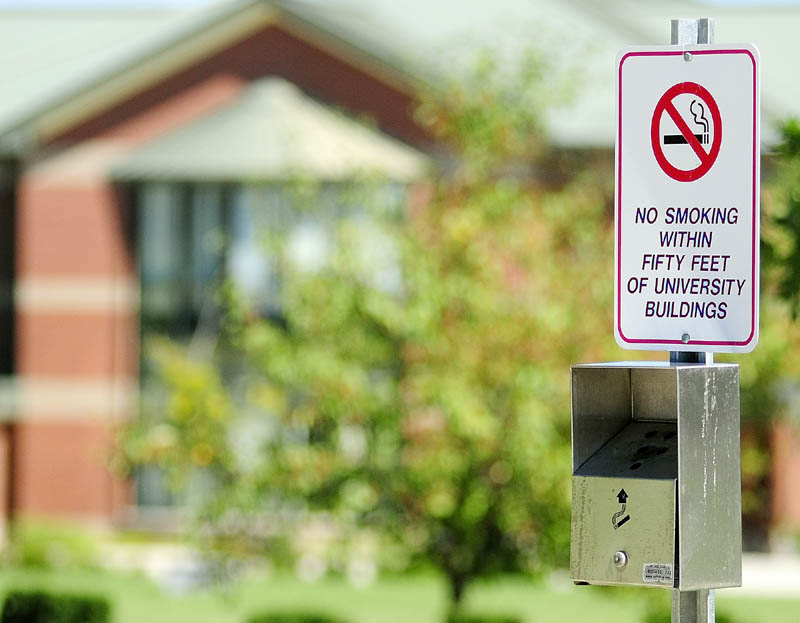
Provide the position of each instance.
(754, 204)
(665, 105)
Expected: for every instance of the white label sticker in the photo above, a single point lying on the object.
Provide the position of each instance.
(657, 573)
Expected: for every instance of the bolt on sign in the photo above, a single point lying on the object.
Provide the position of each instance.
(687, 198)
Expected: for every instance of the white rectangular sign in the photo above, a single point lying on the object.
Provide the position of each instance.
(687, 198)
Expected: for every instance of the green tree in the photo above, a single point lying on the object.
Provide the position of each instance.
(418, 383)
(781, 239)
(767, 372)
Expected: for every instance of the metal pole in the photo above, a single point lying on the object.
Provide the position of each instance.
(692, 606)
(677, 356)
(689, 32)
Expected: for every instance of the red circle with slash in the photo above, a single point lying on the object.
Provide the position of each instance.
(707, 158)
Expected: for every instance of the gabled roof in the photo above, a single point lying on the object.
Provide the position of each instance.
(67, 65)
(74, 64)
(587, 35)
(271, 132)
(48, 55)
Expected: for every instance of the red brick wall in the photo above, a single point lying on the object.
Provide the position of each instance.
(76, 345)
(76, 299)
(785, 471)
(69, 230)
(5, 479)
(61, 469)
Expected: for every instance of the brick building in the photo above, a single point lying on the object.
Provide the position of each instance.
(77, 206)
(111, 115)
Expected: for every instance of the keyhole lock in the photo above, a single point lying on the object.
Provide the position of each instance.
(620, 560)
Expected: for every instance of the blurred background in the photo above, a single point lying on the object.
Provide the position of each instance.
(289, 292)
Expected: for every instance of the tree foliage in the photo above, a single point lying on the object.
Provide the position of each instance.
(769, 366)
(418, 383)
(781, 244)
(765, 374)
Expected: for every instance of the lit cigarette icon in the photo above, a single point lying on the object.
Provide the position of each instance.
(699, 114)
(680, 139)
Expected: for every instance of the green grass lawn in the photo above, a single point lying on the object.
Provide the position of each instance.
(404, 599)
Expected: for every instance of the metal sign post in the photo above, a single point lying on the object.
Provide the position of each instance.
(692, 606)
(656, 485)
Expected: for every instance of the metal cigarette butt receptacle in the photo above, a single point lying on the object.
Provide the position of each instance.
(656, 484)
(656, 475)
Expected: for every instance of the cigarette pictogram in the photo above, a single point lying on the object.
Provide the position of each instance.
(680, 139)
(699, 114)
(705, 144)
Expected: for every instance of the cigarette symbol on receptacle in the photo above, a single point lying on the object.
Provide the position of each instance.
(699, 114)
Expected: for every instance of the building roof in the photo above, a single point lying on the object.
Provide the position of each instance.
(76, 63)
(47, 54)
(54, 57)
(272, 131)
(585, 36)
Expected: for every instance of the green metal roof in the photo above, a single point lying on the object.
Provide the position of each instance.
(47, 53)
(53, 56)
(586, 35)
(45, 56)
(272, 131)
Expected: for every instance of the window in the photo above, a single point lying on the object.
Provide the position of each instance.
(191, 237)
(180, 254)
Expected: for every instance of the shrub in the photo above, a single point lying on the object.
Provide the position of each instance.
(483, 618)
(51, 545)
(44, 607)
(293, 617)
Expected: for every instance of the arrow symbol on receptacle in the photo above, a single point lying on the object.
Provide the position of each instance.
(622, 497)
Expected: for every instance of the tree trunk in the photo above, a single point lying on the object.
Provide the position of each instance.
(458, 583)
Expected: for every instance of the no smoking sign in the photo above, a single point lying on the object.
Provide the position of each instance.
(687, 198)
(698, 108)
